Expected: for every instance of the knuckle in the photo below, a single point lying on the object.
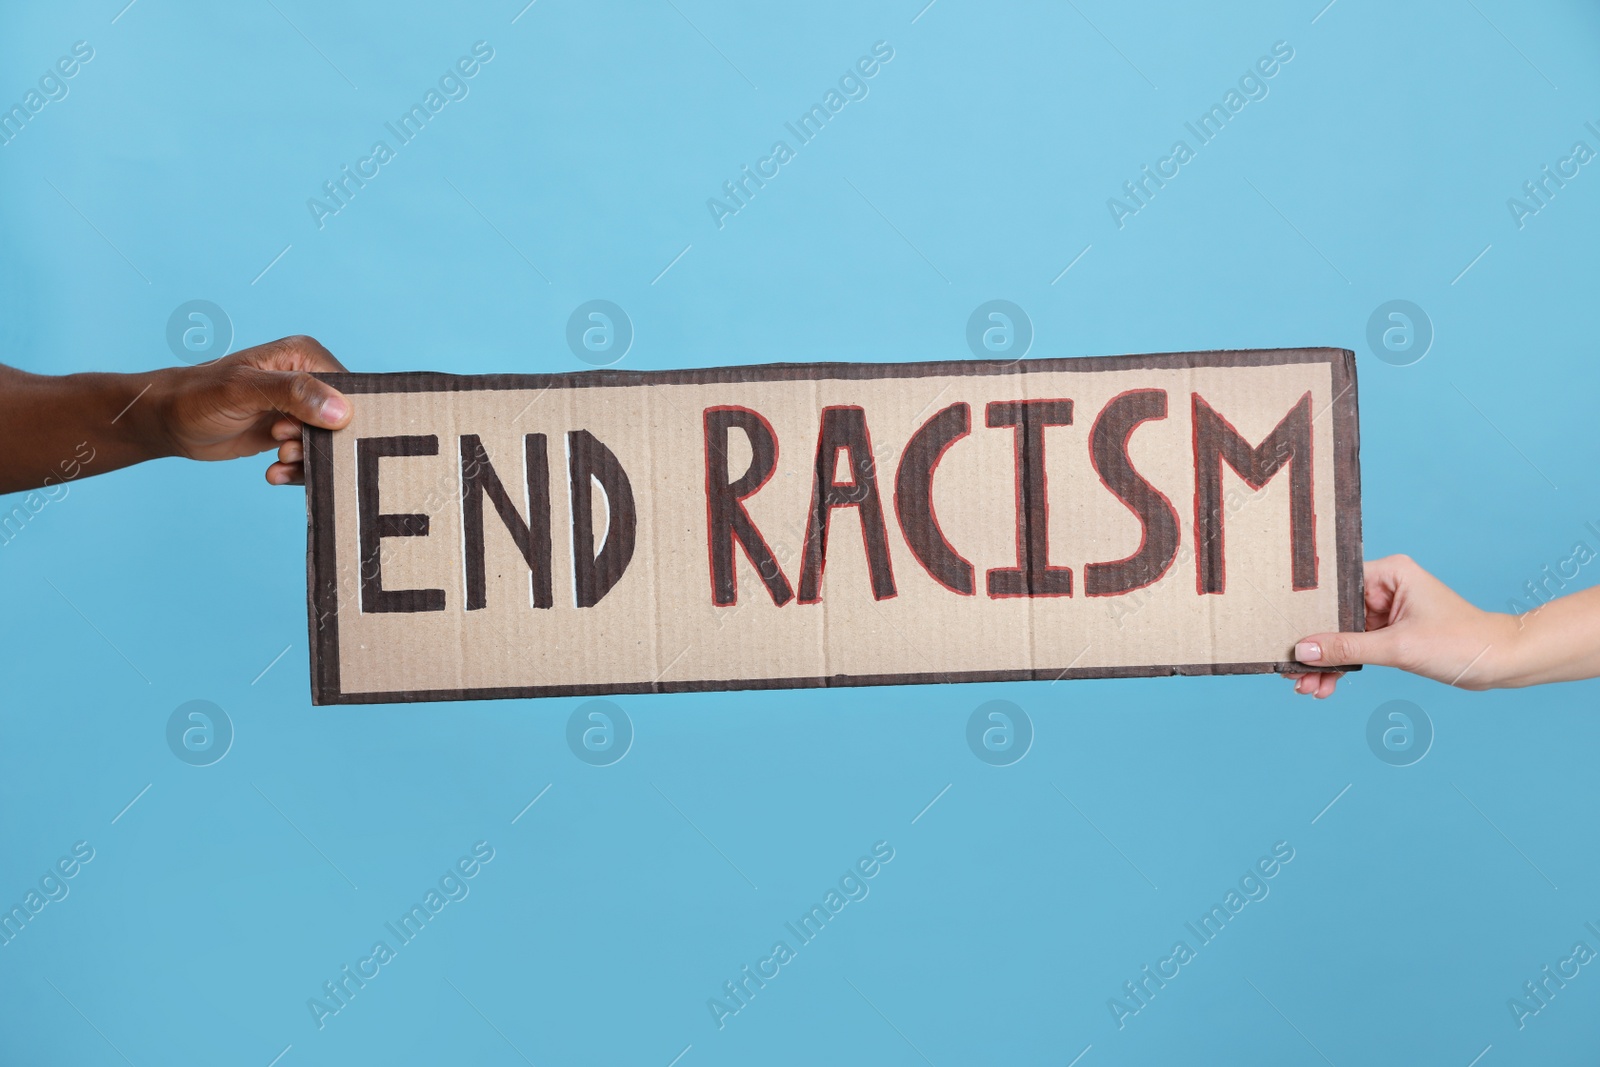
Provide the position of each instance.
(302, 387)
(295, 350)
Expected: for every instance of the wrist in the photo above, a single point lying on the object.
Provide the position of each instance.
(1508, 656)
(140, 418)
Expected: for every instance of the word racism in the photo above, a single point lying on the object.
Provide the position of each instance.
(453, 86)
(1252, 87)
(852, 887)
(1541, 190)
(1537, 995)
(52, 889)
(1253, 888)
(852, 86)
(52, 87)
(843, 433)
(340, 991)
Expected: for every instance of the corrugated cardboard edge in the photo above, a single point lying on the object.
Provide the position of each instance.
(322, 575)
(1347, 471)
(322, 571)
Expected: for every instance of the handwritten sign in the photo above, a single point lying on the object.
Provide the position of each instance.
(831, 524)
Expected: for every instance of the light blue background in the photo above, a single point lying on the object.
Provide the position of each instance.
(981, 164)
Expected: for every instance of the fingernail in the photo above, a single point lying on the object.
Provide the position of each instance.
(335, 408)
(1307, 652)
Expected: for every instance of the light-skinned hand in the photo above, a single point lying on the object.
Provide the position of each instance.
(1417, 623)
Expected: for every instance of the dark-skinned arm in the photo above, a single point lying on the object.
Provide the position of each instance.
(55, 429)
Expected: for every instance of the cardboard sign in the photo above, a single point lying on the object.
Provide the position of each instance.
(831, 524)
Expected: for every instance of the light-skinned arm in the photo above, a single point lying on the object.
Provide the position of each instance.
(1417, 623)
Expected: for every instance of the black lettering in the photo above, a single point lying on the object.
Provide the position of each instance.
(845, 428)
(478, 479)
(373, 527)
(727, 521)
(1289, 443)
(1158, 519)
(595, 573)
(913, 498)
(1033, 576)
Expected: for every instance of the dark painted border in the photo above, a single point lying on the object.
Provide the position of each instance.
(322, 566)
